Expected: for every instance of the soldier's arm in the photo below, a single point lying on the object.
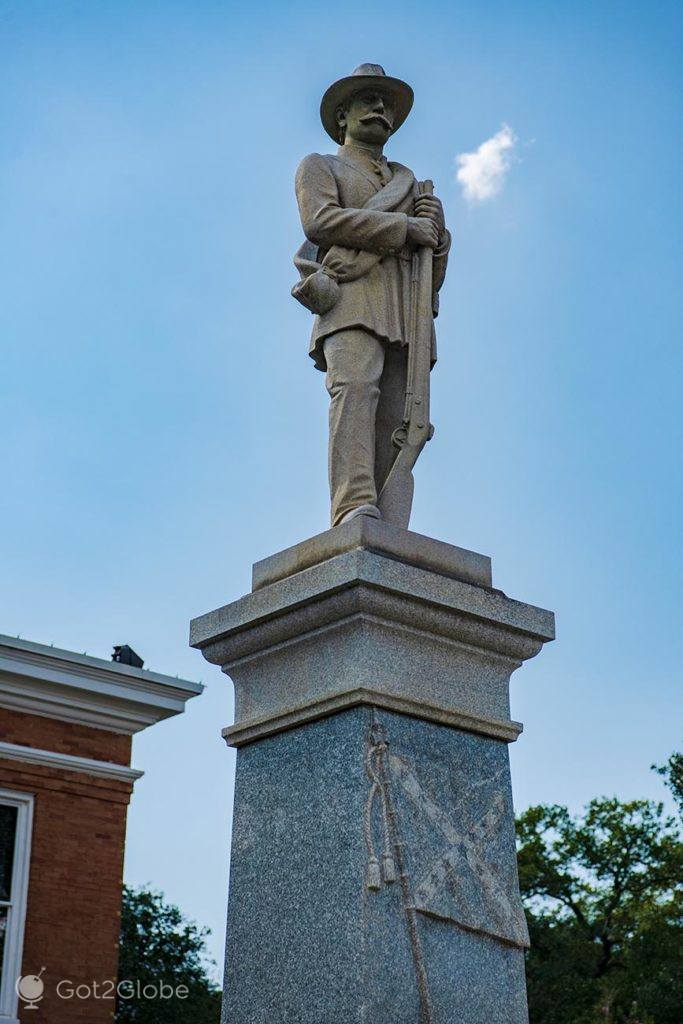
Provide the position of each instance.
(441, 261)
(326, 222)
(430, 206)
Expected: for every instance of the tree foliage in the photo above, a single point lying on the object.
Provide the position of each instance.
(603, 900)
(672, 773)
(163, 975)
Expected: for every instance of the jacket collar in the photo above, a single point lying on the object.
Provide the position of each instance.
(347, 155)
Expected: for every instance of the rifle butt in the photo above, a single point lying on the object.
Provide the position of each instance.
(395, 501)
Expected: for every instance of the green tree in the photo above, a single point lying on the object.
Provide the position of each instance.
(672, 772)
(603, 900)
(162, 953)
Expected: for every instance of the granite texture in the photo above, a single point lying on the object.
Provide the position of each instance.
(362, 622)
(382, 538)
(309, 942)
(373, 872)
(393, 576)
(256, 728)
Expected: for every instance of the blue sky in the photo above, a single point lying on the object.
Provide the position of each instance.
(163, 427)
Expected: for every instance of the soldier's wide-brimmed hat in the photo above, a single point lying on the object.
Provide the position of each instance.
(366, 76)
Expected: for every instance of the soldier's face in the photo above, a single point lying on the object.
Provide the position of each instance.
(368, 117)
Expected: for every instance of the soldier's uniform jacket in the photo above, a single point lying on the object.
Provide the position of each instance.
(356, 221)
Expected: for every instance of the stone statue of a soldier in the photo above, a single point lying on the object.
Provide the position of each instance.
(365, 219)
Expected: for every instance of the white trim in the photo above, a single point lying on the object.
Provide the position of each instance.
(14, 939)
(53, 683)
(68, 762)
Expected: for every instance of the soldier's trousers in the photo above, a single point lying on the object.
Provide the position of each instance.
(366, 382)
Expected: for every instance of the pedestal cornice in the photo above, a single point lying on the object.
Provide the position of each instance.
(366, 626)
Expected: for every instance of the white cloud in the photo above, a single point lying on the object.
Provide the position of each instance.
(482, 173)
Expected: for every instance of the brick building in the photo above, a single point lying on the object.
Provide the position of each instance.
(66, 726)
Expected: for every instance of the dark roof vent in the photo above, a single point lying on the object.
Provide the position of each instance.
(125, 655)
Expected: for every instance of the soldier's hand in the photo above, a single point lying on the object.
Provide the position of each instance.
(430, 206)
(422, 231)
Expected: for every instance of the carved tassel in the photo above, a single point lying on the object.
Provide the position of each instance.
(388, 868)
(373, 880)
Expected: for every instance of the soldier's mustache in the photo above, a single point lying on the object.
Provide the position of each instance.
(377, 117)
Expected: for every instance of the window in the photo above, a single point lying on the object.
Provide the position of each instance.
(16, 815)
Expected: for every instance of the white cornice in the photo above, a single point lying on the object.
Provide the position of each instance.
(68, 762)
(53, 683)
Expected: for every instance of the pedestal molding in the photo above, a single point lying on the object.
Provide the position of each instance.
(370, 572)
(244, 732)
(362, 621)
(249, 626)
(510, 662)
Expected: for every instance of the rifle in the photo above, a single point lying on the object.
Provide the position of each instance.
(396, 498)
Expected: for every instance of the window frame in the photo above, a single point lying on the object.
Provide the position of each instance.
(16, 915)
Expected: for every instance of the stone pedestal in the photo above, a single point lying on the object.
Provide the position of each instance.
(373, 874)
